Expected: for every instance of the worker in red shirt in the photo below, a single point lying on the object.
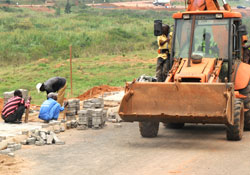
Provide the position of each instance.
(13, 110)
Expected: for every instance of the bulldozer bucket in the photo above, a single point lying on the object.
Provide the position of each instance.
(178, 102)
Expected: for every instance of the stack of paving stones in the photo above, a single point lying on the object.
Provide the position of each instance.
(71, 124)
(11, 148)
(8, 95)
(93, 114)
(46, 135)
(72, 109)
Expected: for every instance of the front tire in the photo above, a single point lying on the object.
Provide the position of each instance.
(235, 131)
(149, 129)
(246, 92)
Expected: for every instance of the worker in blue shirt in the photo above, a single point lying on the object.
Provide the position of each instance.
(50, 108)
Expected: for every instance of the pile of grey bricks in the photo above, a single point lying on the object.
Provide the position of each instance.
(11, 148)
(45, 136)
(72, 109)
(93, 114)
(39, 137)
(8, 95)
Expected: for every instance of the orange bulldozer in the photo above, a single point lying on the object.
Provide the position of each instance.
(204, 85)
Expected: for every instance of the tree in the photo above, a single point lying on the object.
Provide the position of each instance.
(8, 1)
(67, 7)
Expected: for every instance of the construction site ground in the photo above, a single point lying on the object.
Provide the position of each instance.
(119, 149)
(193, 150)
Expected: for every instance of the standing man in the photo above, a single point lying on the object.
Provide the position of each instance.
(50, 108)
(55, 84)
(13, 110)
(163, 60)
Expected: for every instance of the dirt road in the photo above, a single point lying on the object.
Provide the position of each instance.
(193, 150)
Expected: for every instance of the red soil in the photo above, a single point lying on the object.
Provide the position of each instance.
(98, 90)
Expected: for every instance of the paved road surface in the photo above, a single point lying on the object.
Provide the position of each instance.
(194, 150)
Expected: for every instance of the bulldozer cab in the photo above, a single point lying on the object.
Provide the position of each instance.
(210, 35)
(207, 41)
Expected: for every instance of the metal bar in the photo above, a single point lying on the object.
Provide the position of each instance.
(191, 42)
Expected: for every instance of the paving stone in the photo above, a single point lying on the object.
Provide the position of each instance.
(57, 129)
(63, 121)
(89, 105)
(82, 127)
(37, 138)
(36, 132)
(62, 128)
(69, 113)
(25, 132)
(43, 135)
(5, 151)
(17, 146)
(11, 154)
(56, 140)
(54, 122)
(3, 137)
(24, 142)
(49, 139)
(11, 147)
(31, 140)
(73, 123)
(68, 125)
(40, 143)
(11, 144)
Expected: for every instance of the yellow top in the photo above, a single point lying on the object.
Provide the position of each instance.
(167, 45)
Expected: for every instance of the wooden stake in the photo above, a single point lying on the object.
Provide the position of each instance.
(71, 86)
(65, 109)
(26, 119)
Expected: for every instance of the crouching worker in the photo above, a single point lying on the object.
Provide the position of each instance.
(13, 110)
(55, 84)
(50, 108)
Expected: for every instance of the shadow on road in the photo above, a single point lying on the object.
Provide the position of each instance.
(192, 136)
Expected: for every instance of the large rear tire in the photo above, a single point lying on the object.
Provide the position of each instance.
(149, 129)
(235, 131)
(174, 125)
(246, 92)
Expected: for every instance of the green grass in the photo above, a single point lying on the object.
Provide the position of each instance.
(97, 37)
(29, 35)
(87, 72)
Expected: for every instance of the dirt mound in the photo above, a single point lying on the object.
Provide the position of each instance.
(98, 90)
